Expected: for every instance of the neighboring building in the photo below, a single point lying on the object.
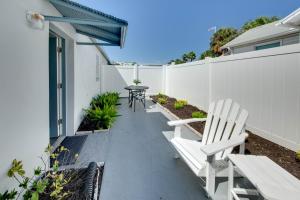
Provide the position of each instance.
(263, 37)
(50, 65)
(125, 63)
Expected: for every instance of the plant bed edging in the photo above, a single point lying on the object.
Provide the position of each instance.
(92, 132)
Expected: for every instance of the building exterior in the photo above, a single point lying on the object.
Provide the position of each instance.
(49, 71)
(263, 37)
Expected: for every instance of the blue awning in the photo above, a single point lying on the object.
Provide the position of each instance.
(91, 22)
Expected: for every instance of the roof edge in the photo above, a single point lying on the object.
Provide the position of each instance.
(101, 51)
(260, 39)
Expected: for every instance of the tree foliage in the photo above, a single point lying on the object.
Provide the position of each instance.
(186, 57)
(258, 22)
(225, 35)
(222, 37)
(207, 53)
(189, 57)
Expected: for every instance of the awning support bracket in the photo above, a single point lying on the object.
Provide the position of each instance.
(96, 43)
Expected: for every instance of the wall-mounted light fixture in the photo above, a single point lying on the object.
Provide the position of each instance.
(35, 20)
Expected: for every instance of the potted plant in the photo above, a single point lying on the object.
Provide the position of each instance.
(137, 81)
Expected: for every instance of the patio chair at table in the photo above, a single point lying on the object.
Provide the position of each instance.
(140, 96)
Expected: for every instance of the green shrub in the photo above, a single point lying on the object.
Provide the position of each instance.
(108, 98)
(179, 104)
(183, 102)
(102, 117)
(198, 115)
(162, 100)
(161, 95)
(298, 155)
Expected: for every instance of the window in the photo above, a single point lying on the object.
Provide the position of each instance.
(97, 68)
(267, 46)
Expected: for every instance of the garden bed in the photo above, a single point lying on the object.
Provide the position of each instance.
(101, 114)
(87, 126)
(255, 145)
(184, 113)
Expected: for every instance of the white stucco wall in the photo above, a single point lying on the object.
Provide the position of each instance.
(86, 85)
(116, 77)
(24, 83)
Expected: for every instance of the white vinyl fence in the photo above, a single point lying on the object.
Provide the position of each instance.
(116, 77)
(266, 83)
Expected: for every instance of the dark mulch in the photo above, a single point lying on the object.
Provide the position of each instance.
(75, 187)
(184, 113)
(74, 144)
(87, 125)
(282, 156)
(255, 145)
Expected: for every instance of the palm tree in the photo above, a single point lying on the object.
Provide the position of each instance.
(220, 38)
(189, 57)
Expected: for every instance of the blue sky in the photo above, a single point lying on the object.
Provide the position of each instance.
(161, 30)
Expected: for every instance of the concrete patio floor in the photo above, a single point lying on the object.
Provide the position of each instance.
(139, 162)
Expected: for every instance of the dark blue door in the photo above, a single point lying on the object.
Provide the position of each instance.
(57, 86)
(53, 111)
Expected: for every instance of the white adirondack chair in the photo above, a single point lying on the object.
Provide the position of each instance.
(224, 129)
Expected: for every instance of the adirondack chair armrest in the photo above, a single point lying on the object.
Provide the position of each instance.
(214, 148)
(185, 121)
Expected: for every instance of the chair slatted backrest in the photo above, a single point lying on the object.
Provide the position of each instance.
(225, 120)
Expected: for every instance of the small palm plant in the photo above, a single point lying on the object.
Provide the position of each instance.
(102, 118)
(109, 98)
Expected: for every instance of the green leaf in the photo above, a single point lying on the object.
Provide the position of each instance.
(16, 168)
(41, 185)
(25, 182)
(37, 171)
(8, 195)
(35, 196)
(48, 149)
(27, 195)
(55, 166)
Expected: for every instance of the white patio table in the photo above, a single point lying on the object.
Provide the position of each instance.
(270, 180)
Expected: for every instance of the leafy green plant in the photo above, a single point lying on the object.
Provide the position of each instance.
(161, 95)
(198, 114)
(102, 117)
(162, 100)
(136, 81)
(109, 98)
(32, 188)
(179, 104)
